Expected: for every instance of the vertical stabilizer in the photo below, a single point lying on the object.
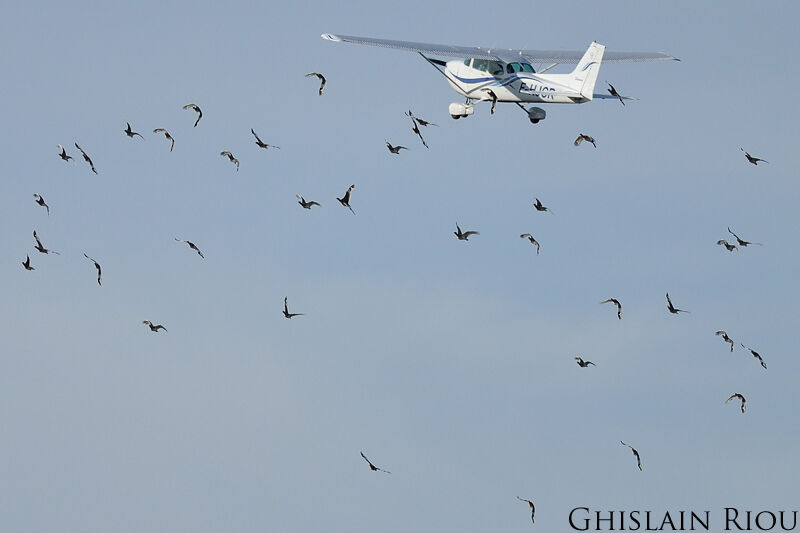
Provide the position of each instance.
(585, 74)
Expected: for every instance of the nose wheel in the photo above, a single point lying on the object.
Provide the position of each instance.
(458, 111)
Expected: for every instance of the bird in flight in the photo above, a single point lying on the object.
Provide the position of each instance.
(195, 108)
(63, 155)
(463, 236)
(153, 327)
(306, 205)
(583, 137)
(533, 508)
(372, 466)
(672, 309)
(725, 337)
(167, 135)
(27, 263)
(740, 397)
(415, 129)
(86, 158)
(230, 157)
(615, 302)
(494, 100)
(345, 200)
(41, 202)
(262, 144)
(728, 246)
(756, 355)
(743, 243)
(286, 312)
(321, 79)
(582, 363)
(614, 92)
(531, 240)
(129, 132)
(420, 121)
(635, 453)
(395, 149)
(97, 266)
(41, 248)
(752, 159)
(539, 206)
(193, 246)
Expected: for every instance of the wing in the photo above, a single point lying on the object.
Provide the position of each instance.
(534, 56)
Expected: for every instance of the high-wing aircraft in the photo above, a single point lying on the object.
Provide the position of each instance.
(506, 75)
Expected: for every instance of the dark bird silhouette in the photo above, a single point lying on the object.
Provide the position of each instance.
(41, 248)
(372, 466)
(614, 92)
(321, 79)
(582, 363)
(167, 135)
(743, 243)
(415, 129)
(533, 508)
(756, 355)
(463, 236)
(197, 110)
(672, 309)
(537, 204)
(420, 121)
(27, 263)
(740, 397)
(582, 137)
(531, 240)
(63, 155)
(153, 327)
(635, 453)
(494, 100)
(193, 246)
(230, 157)
(286, 312)
(752, 159)
(86, 158)
(395, 149)
(129, 132)
(728, 246)
(345, 200)
(725, 337)
(306, 205)
(615, 302)
(41, 202)
(262, 144)
(97, 266)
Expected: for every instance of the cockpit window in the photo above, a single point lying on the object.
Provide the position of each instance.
(526, 67)
(479, 64)
(467, 61)
(495, 67)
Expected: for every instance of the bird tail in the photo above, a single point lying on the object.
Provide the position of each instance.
(585, 74)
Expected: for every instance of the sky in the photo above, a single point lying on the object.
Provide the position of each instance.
(448, 363)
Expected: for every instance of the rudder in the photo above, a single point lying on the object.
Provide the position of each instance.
(585, 74)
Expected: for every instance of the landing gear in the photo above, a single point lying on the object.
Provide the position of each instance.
(535, 114)
(461, 110)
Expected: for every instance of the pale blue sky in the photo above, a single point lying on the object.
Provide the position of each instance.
(448, 363)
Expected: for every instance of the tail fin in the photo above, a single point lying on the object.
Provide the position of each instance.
(585, 74)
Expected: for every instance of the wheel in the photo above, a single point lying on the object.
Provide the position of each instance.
(456, 117)
(534, 121)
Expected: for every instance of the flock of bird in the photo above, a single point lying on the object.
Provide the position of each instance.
(345, 200)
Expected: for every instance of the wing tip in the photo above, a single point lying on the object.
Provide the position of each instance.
(331, 37)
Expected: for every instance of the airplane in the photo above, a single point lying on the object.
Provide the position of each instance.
(507, 75)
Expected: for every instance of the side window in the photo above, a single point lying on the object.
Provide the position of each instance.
(527, 68)
(467, 61)
(513, 67)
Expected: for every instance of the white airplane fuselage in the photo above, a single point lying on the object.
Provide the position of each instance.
(511, 82)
